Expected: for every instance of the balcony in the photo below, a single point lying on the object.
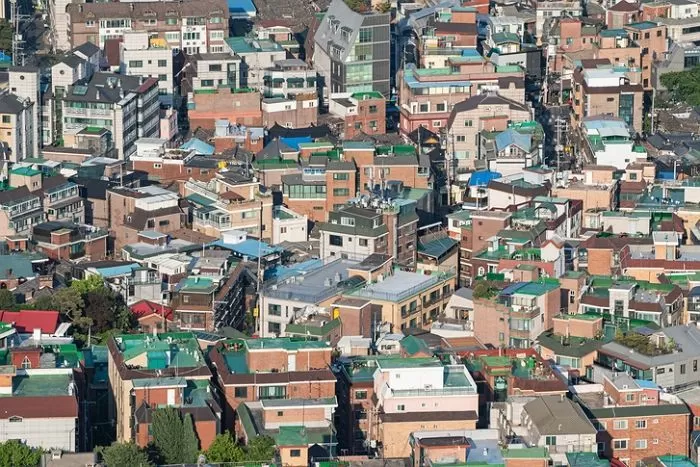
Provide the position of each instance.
(525, 312)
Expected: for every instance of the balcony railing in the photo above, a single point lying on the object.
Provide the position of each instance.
(434, 392)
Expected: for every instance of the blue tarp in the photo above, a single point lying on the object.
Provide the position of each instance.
(294, 142)
(199, 146)
(665, 175)
(483, 177)
(282, 272)
(239, 7)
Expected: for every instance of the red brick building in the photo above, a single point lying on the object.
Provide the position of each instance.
(249, 370)
(66, 241)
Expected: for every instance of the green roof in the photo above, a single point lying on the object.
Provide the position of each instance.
(525, 453)
(367, 95)
(538, 288)
(571, 346)
(303, 329)
(166, 350)
(502, 37)
(413, 345)
(41, 385)
(286, 343)
(197, 284)
(585, 459)
(25, 171)
(199, 199)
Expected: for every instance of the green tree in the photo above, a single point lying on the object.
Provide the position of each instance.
(384, 7)
(7, 300)
(6, 34)
(101, 308)
(17, 454)
(42, 302)
(89, 284)
(482, 289)
(190, 443)
(120, 454)
(69, 302)
(224, 449)
(172, 437)
(260, 449)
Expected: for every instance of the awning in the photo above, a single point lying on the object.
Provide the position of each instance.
(278, 80)
(295, 80)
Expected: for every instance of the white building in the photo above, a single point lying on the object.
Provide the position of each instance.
(213, 70)
(288, 226)
(140, 56)
(610, 142)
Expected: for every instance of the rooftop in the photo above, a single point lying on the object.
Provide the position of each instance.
(166, 350)
(401, 285)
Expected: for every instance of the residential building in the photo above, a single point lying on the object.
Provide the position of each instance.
(165, 165)
(210, 71)
(362, 113)
(412, 393)
(636, 420)
(672, 370)
(351, 51)
(622, 13)
(142, 56)
(297, 111)
(596, 187)
(510, 151)
(279, 369)
(132, 210)
(288, 78)
(428, 96)
(652, 38)
(324, 184)
(409, 299)
(558, 424)
(284, 301)
(126, 106)
(357, 232)
(485, 112)
(66, 241)
(256, 55)
(473, 229)
(21, 209)
(605, 91)
(147, 371)
(16, 131)
(241, 106)
(193, 28)
(288, 226)
(230, 202)
(40, 409)
(152, 316)
(609, 142)
(545, 9)
(517, 315)
(280, 31)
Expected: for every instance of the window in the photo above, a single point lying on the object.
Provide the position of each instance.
(274, 310)
(172, 36)
(365, 35)
(341, 191)
(695, 365)
(335, 240)
(373, 109)
(423, 108)
(191, 36)
(135, 63)
(162, 63)
(437, 123)
(467, 123)
(640, 424)
(272, 392)
(207, 83)
(26, 363)
(360, 395)
(90, 23)
(400, 407)
(340, 176)
(640, 444)
(215, 20)
(6, 119)
(171, 22)
(441, 107)
(363, 242)
(461, 138)
(620, 424)
(15, 419)
(620, 444)
(214, 67)
(163, 223)
(295, 452)
(660, 371)
(280, 413)
(683, 368)
(240, 392)
(629, 397)
(550, 440)
(162, 77)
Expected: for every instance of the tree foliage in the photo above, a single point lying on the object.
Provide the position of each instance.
(119, 454)
(360, 6)
(384, 7)
(483, 289)
(17, 454)
(6, 34)
(260, 449)
(89, 284)
(224, 449)
(684, 86)
(7, 300)
(174, 437)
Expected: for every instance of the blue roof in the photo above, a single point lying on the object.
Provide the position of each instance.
(250, 248)
(664, 175)
(114, 271)
(241, 6)
(646, 384)
(199, 146)
(19, 264)
(282, 272)
(483, 177)
(295, 142)
(512, 137)
(511, 289)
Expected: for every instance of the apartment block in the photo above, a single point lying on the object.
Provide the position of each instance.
(232, 202)
(65, 241)
(485, 112)
(356, 232)
(409, 299)
(362, 113)
(351, 51)
(193, 28)
(149, 371)
(271, 370)
(154, 58)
